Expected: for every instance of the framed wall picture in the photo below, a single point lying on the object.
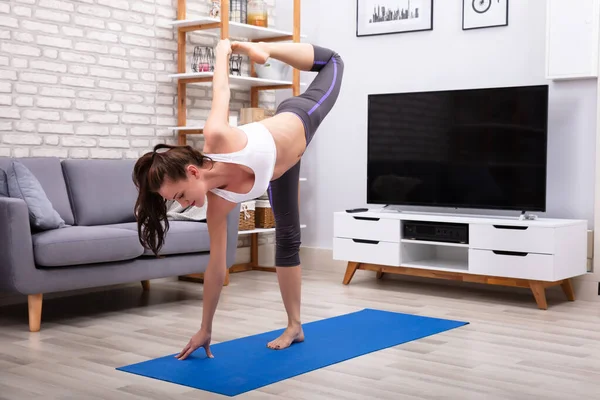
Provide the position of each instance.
(383, 17)
(479, 14)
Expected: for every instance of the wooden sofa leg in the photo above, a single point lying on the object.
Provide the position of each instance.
(146, 285)
(34, 302)
(226, 282)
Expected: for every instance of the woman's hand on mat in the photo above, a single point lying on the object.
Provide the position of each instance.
(200, 339)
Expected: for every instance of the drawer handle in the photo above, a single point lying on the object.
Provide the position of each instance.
(521, 228)
(510, 253)
(365, 241)
(367, 218)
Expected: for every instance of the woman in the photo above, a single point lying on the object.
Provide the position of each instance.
(239, 164)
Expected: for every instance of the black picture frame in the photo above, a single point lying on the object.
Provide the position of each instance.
(362, 30)
(473, 10)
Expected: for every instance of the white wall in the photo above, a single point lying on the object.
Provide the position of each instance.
(446, 57)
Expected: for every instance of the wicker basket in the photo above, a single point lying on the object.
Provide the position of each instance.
(247, 215)
(264, 214)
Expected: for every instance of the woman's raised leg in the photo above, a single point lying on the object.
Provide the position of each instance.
(297, 55)
(316, 102)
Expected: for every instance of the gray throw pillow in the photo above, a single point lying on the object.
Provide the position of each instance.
(22, 184)
(3, 184)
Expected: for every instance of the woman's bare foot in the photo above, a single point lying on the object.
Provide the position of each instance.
(258, 52)
(293, 334)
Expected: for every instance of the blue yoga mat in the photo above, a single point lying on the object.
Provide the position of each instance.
(246, 364)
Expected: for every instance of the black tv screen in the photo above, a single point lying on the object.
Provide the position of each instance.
(473, 148)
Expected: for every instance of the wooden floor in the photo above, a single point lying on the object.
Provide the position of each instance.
(510, 349)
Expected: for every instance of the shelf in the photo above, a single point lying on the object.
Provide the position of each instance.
(437, 256)
(187, 129)
(449, 244)
(235, 81)
(262, 230)
(236, 30)
(436, 264)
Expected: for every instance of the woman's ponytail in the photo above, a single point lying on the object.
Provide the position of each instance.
(149, 173)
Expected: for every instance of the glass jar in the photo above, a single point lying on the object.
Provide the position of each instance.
(257, 13)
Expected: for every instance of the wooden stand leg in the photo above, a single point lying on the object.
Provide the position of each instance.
(567, 287)
(539, 293)
(254, 250)
(34, 302)
(253, 265)
(350, 270)
(146, 285)
(538, 288)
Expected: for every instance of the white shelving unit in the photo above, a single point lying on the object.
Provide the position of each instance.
(223, 28)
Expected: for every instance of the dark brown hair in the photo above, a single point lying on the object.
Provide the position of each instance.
(149, 173)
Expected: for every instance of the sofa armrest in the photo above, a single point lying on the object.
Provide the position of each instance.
(16, 247)
(233, 223)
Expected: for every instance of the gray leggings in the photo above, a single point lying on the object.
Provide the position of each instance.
(311, 107)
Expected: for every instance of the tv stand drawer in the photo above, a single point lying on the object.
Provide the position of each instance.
(531, 239)
(510, 264)
(357, 226)
(367, 251)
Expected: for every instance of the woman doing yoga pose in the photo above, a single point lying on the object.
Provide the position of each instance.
(239, 164)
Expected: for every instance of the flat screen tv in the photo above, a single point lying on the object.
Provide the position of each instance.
(480, 148)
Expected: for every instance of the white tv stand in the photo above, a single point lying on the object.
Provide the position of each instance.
(507, 251)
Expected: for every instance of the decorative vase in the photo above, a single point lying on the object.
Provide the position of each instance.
(272, 69)
(258, 13)
(235, 64)
(203, 59)
(215, 10)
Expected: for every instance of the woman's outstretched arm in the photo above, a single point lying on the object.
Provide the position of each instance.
(214, 276)
(218, 118)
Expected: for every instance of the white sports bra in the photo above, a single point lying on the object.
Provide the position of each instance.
(259, 155)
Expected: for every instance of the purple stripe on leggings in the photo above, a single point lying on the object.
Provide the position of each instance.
(271, 198)
(320, 62)
(330, 88)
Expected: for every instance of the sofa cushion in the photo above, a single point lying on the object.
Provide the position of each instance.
(49, 173)
(75, 245)
(3, 184)
(182, 237)
(22, 184)
(101, 191)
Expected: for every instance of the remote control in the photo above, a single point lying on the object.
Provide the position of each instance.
(356, 210)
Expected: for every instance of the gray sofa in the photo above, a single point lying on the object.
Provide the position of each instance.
(98, 243)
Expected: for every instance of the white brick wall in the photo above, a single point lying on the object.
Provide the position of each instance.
(88, 78)
(81, 72)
